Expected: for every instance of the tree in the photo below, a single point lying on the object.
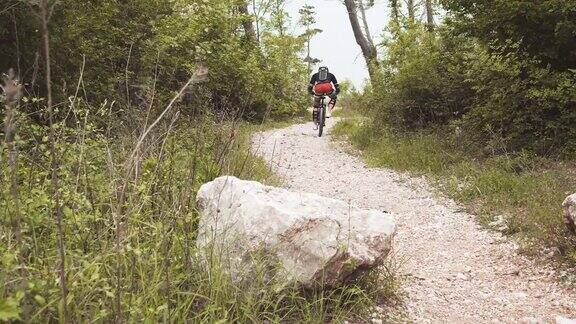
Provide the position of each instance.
(307, 20)
(247, 22)
(411, 10)
(363, 7)
(260, 9)
(279, 17)
(368, 50)
(395, 11)
(429, 15)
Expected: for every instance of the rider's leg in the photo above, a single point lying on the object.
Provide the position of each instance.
(331, 106)
(316, 102)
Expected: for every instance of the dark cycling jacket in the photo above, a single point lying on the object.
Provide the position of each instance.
(331, 78)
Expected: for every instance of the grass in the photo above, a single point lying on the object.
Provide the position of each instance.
(524, 189)
(155, 272)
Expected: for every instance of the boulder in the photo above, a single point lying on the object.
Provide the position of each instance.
(564, 320)
(570, 212)
(310, 239)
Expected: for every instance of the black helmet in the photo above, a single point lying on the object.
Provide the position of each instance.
(323, 74)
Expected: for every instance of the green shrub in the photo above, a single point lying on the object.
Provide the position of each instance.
(424, 84)
(521, 105)
(499, 94)
(544, 30)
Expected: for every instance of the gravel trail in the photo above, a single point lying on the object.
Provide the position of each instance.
(454, 271)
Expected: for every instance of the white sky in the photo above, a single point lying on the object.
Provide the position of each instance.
(336, 46)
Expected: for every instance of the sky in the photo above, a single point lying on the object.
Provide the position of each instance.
(336, 46)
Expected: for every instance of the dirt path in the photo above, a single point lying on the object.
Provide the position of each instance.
(455, 272)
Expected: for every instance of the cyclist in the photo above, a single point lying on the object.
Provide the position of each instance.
(324, 83)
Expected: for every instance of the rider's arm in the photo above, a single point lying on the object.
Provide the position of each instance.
(336, 85)
(312, 83)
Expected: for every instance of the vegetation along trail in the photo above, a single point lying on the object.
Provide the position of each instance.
(453, 270)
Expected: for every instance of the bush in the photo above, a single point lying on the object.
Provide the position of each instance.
(503, 100)
(423, 84)
(544, 30)
(520, 104)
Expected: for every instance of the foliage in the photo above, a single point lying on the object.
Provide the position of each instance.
(521, 105)
(545, 30)
(422, 86)
(163, 40)
(492, 85)
(279, 18)
(308, 20)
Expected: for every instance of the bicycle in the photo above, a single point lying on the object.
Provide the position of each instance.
(319, 115)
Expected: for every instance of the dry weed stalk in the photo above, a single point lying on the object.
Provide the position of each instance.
(12, 93)
(45, 13)
(199, 75)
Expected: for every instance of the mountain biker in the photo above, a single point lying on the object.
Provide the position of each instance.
(324, 83)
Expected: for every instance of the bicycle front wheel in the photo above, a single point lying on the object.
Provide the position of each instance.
(321, 120)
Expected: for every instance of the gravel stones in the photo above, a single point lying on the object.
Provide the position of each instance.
(435, 239)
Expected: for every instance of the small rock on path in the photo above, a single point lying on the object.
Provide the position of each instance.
(455, 271)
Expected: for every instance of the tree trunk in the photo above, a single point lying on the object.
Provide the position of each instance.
(411, 10)
(368, 51)
(429, 15)
(257, 21)
(395, 10)
(247, 22)
(365, 23)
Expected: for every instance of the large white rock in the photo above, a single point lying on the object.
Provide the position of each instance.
(570, 211)
(564, 320)
(312, 239)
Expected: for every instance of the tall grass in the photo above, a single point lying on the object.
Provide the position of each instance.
(139, 262)
(525, 190)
